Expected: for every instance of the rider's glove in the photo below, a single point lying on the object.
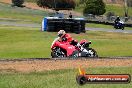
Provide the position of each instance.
(64, 39)
(78, 44)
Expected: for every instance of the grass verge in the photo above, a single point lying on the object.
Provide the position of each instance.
(21, 13)
(59, 78)
(117, 9)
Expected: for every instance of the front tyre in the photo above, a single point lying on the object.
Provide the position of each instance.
(92, 53)
(122, 28)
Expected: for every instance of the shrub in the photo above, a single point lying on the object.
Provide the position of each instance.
(62, 4)
(95, 7)
(17, 3)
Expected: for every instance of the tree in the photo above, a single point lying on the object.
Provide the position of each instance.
(95, 7)
(82, 1)
(18, 3)
(56, 3)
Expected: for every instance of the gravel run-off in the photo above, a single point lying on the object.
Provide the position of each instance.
(46, 65)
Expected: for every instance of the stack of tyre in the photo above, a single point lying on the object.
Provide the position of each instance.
(69, 25)
(76, 27)
(51, 26)
(82, 25)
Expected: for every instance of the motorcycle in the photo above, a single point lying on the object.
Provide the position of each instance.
(60, 49)
(119, 25)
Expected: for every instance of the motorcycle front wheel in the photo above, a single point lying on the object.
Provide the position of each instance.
(122, 28)
(92, 52)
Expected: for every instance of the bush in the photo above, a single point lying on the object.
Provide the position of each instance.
(62, 4)
(17, 3)
(95, 7)
(45, 3)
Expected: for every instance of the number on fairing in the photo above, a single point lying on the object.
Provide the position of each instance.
(70, 47)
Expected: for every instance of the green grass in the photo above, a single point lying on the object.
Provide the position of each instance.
(6, 11)
(59, 78)
(118, 10)
(92, 25)
(21, 42)
(79, 8)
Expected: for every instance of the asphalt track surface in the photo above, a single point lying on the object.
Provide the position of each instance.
(109, 30)
(36, 25)
(17, 24)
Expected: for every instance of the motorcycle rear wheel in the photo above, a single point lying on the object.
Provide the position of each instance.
(55, 54)
(75, 54)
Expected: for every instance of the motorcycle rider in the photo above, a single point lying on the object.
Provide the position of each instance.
(117, 20)
(74, 50)
(63, 36)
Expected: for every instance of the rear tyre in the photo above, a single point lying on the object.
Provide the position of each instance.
(116, 27)
(75, 54)
(58, 53)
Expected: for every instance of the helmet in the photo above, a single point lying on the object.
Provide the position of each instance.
(118, 16)
(61, 33)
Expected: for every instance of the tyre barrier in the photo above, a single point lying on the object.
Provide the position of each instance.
(69, 25)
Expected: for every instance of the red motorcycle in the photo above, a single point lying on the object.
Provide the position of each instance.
(62, 49)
